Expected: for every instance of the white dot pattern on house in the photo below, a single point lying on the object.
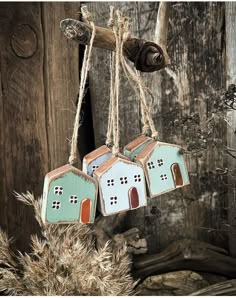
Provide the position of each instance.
(110, 182)
(56, 205)
(137, 178)
(163, 177)
(58, 190)
(73, 199)
(113, 200)
(123, 180)
(150, 165)
(160, 162)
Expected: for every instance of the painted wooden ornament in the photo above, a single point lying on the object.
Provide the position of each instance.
(121, 186)
(164, 167)
(69, 196)
(95, 158)
(136, 146)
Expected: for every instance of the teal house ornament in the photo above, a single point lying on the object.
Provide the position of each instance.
(69, 196)
(121, 186)
(132, 149)
(164, 167)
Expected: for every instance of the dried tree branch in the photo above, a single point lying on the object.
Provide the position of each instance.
(147, 56)
(186, 255)
(225, 288)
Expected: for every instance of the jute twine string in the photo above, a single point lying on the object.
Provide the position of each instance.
(121, 34)
(146, 115)
(84, 73)
(109, 136)
(115, 102)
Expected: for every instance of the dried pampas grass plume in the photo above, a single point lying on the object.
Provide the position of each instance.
(64, 262)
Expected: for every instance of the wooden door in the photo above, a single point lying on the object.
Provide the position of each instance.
(176, 172)
(133, 198)
(85, 210)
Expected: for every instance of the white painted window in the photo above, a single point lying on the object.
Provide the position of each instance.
(150, 165)
(110, 182)
(163, 177)
(123, 180)
(113, 200)
(73, 199)
(137, 178)
(56, 205)
(94, 167)
(58, 190)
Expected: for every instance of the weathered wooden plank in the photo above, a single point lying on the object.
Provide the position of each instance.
(230, 22)
(180, 111)
(61, 80)
(39, 83)
(24, 154)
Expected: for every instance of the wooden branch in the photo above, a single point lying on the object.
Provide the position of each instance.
(147, 56)
(161, 31)
(186, 255)
(224, 288)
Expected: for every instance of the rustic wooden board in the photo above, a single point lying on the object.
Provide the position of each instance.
(24, 144)
(61, 80)
(230, 20)
(39, 80)
(182, 90)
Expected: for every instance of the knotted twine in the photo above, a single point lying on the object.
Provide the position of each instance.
(121, 32)
(84, 73)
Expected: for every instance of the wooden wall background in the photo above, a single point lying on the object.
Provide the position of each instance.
(39, 75)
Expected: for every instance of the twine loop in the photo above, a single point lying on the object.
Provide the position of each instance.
(84, 73)
(118, 61)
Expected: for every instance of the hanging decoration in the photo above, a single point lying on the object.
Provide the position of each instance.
(69, 194)
(121, 182)
(164, 166)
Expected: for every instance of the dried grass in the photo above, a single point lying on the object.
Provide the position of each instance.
(65, 262)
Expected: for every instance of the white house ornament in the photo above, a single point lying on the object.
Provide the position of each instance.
(121, 186)
(69, 196)
(94, 159)
(164, 167)
(132, 149)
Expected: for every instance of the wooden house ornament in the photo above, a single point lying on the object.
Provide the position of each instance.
(164, 167)
(132, 149)
(95, 158)
(69, 196)
(121, 186)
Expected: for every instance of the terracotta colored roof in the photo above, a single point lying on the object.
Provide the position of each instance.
(96, 153)
(111, 161)
(136, 142)
(150, 147)
(66, 169)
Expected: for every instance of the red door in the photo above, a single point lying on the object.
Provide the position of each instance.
(85, 210)
(133, 198)
(176, 172)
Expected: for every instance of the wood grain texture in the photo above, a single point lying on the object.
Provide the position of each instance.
(197, 75)
(61, 80)
(39, 80)
(230, 21)
(23, 140)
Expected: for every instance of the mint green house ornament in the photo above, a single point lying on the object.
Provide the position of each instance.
(69, 196)
(164, 167)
